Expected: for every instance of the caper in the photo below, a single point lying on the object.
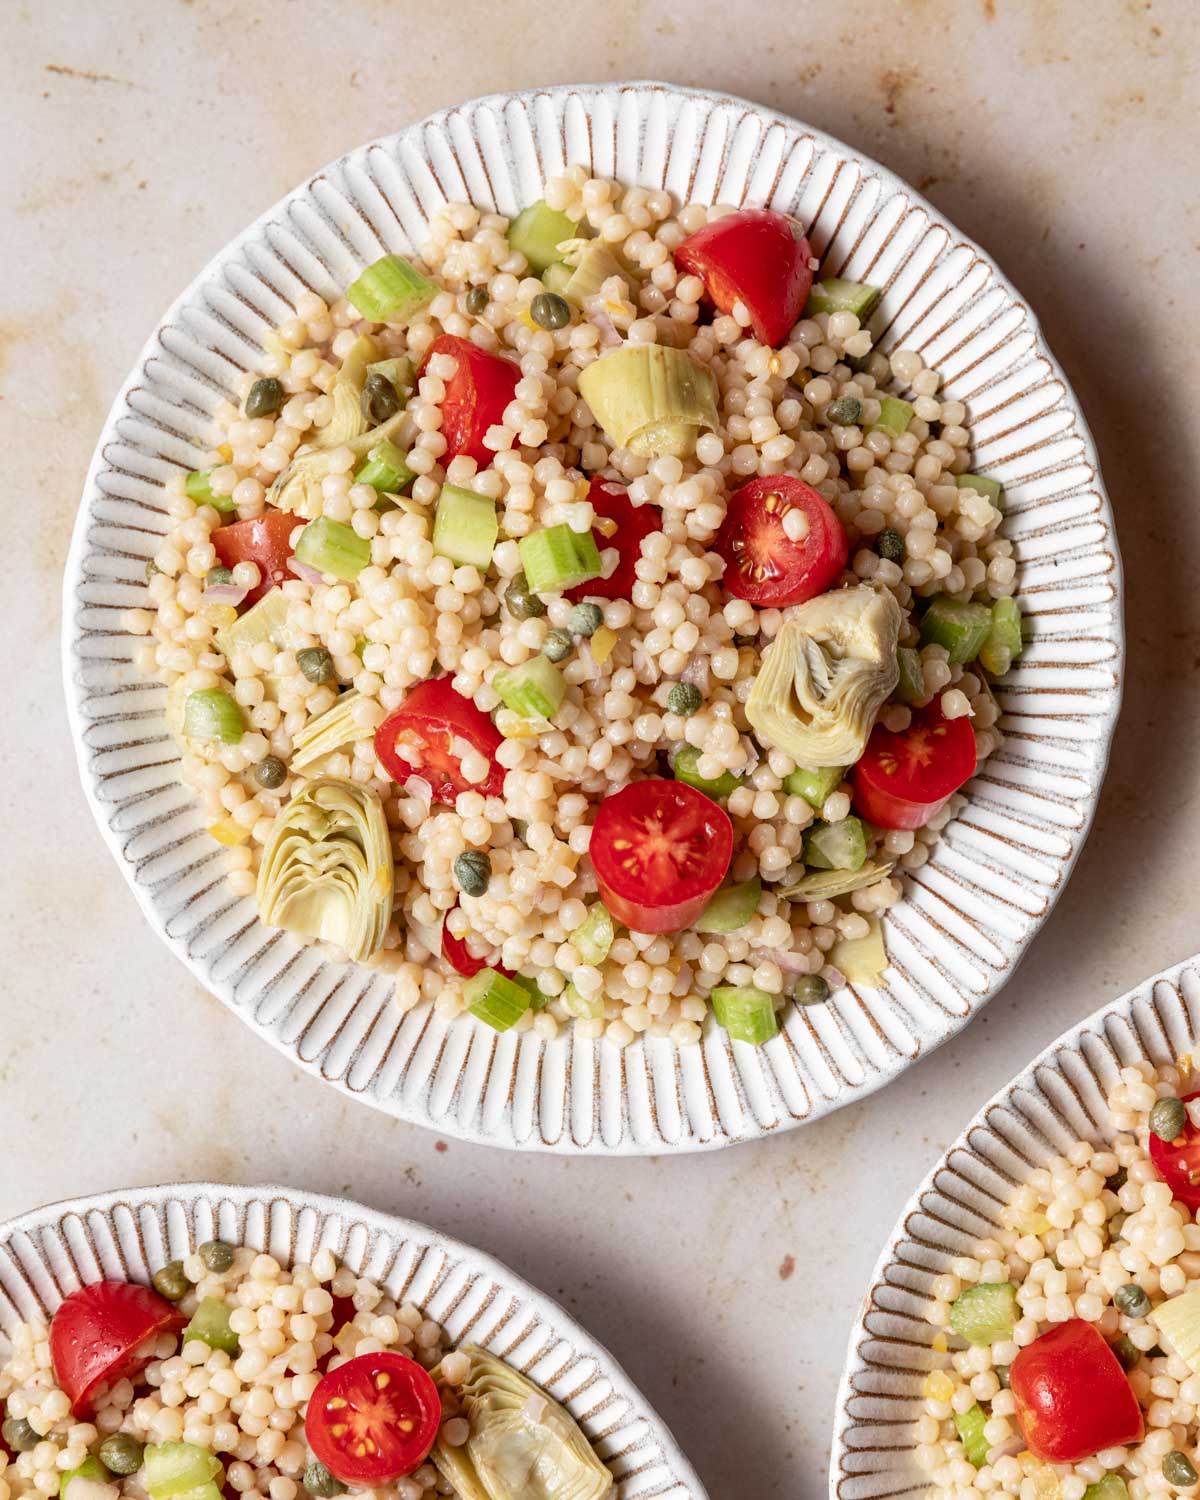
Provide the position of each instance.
(811, 989)
(557, 646)
(585, 619)
(170, 1282)
(1126, 1351)
(1131, 1300)
(1116, 1225)
(1178, 1469)
(684, 699)
(316, 664)
(520, 600)
(380, 399)
(890, 545)
(1117, 1181)
(270, 772)
(1167, 1119)
(216, 1255)
(549, 310)
(473, 871)
(477, 300)
(219, 576)
(121, 1453)
(265, 398)
(319, 1481)
(19, 1435)
(1001, 1374)
(844, 412)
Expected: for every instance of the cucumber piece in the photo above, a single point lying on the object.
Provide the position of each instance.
(595, 936)
(535, 689)
(198, 487)
(558, 558)
(537, 232)
(970, 1425)
(385, 469)
(746, 1013)
(496, 1000)
(683, 768)
(836, 846)
(731, 908)
(90, 1468)
(555, 277)
(985, 1314)
(1111, 1487)
(582, 1008)
(210, 1324)
(334, 548)
(465, 527)
(861, 960)
(213, 715)
(911, 685)
(537, 1001)
(816, 787)
(961, 628)
(391, 291)
(835, 295)
(990, 489)
(894, 417)
(170, 1469)
(1005, 642)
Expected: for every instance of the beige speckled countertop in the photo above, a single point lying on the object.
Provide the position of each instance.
(140, 135)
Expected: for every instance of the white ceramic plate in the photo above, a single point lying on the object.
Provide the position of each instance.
(995, 874)
(1058, 1099)
(46, 1254)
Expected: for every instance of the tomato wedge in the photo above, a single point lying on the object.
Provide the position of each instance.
(458, 956)
(1177, 1162)
(476, 395)
(1072, 1396)
(632, 523)
(757, 257)
(903, 780)
(766, 566)
(659, 850)
(97, 1337)
(434, 716)
(373, 1419)
(266, 541)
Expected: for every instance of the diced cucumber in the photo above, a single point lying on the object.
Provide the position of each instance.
(990, 489)
(911, 685)
(816, 787)
(385, 469)
(211, 714)
(835, 295)
(537, 1001)
(465, 527)
(210, 1324)
(985, 1314)
(391, 291)
(862, 960)
(498, 1001)
(746, 1013)
(558, 558)
(535, 689)
(731, 908)
(556, 276)
(683, 767)
(595, 936)
(90, 1468)
(334, 548)
(582, 1007)
(170, 1469)
(1111, 1487)
(537, 232)
(894, 417)
(970, 1425)
(198, 487)
(961, 628)
(836, 846)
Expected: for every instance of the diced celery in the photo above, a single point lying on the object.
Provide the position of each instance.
(970, 1425)
(911, 686)
(556, 277)
(210, 1324)
(582, 1007)
(537, 1000)
(465, 527)
(198, 487)
(212, 714)
(264, 621)
(960, 627)
(835, 295)
(537, 232)
(90, 1468)
(731, 908)
(558, 558)
(492, 998)
(1005, 642)
(594, 937)
(385, 469)
(861, 960)
(334, 548)
(391, 291)
(836, 846)
(170, 1469)
(816, 787)
(985, 1314)
(991, 489)
(746, 1013)
(535, 689)
(683, 768)
(894, 417)
(1111, 1487)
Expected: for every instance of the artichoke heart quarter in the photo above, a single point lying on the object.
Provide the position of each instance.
(326, 871)
(522, 1445)
(825, 676)
(651, 399)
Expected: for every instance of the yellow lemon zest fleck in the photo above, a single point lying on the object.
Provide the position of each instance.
(228, 832)
(940, 1343)
(938, 1386)
(226, 452)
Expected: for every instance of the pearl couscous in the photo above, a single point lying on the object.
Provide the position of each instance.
(437, 551)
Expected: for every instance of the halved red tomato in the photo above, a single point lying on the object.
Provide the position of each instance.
(1177, 1162)
(757, 257)
(459, 957)
(266, 541)
(1072, 1396)
(659, 850)
(766, 566)
(629, 525)
(435, 715)
(97, 1337)
(903, 780)
(476, 395)
(373, 1419)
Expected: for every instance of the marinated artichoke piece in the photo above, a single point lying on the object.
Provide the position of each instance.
(328, 732)
(298, 488)
(326, 871)
(349, 420)
(825, 675)
(522, 1446)
(651, 399)
(824, 885)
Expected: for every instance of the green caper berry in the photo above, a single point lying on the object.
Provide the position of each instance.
(170, 1282)
(316, 664)
(549, 310)
(473, 871)
(1167, 1119)
(19, 1435)
(1131, 1300)
(585, 619)
(890, 546)
(270, 772)
(844, 412)
(811, 989)
(319, 1481)
(120, 1453)
(477, 300)
(1001, 1374)
(557, 646)
(1127, 1352)
(219, 575)
(520, 600)
(380, 399)
(216, 1255)
(265, 398)
(1178, 1469)
(684, 699)
(1117, 1181)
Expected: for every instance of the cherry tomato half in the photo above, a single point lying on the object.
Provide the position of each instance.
(659, 850)
(633, 524)
(1177, 1162)
(766, 566)
(462, 961)
(373, 1418)
(757, 257)
(97, 1337)
(435, 716)
(476, 395)
(904, 779)
(267, 541)
(1073, 1398)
